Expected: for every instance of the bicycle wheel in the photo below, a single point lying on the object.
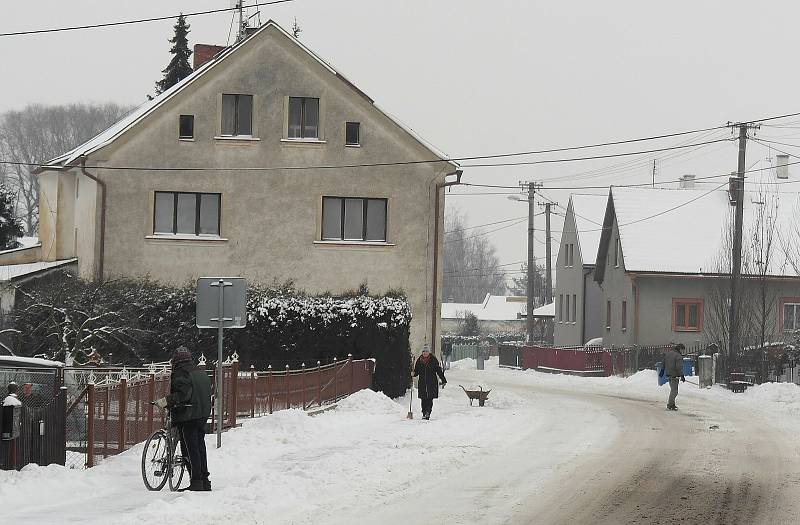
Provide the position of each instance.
(155, 461)
(177, 467)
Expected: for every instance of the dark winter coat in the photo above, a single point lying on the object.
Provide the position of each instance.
(673, 363)
(428, 383)
(189, 385)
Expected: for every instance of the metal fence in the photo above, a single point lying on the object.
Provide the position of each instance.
(120, 414)
(41, 438)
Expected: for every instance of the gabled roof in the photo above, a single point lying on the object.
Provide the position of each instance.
(687, 230)
(114, 131)
(588, 212)
(493, 308)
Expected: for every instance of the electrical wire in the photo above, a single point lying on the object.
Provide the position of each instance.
(135, 21)
(486, 232)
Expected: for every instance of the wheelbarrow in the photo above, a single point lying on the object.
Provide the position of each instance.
(480, 395)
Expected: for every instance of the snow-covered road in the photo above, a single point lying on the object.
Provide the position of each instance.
(549, 449)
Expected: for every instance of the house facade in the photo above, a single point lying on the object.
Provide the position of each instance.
(265, 163)
(663, 267)
(577, 319)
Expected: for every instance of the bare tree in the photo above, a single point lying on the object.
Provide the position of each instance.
(470, 265)
(37, 134)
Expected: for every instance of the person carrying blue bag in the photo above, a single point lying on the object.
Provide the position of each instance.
(673, 369)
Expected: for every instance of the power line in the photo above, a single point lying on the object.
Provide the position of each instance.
(397, 163)
(486, 232)
(594, 157)
(135, 21)
(487, 224)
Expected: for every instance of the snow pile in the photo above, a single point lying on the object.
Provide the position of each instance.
(467, 363)
(368, 402)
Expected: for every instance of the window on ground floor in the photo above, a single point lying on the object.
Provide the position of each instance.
(624, 322)
(790, 314)
(186, 213)
(687, 315)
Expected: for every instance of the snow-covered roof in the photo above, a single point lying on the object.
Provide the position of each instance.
(588, 211)
(110, 134)
(493, 308)
(25, 243)
(11, 272)
(547, 310)
(685, 230)
(11, 360)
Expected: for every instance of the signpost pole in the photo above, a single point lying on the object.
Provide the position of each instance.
(221, 323)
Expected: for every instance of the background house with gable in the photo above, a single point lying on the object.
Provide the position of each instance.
(663, 264)
(211, 178)
(577, 295)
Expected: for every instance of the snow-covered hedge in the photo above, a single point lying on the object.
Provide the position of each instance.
(285, 325)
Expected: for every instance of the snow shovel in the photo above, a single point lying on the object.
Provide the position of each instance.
(410, 414)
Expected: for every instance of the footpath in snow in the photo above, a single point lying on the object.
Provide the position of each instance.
(365, 461)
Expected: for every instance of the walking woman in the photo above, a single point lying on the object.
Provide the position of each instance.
(427, 368)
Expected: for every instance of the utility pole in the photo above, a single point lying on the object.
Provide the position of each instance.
(654, 173)
(548, 294)
(530, 187)
(736, 255)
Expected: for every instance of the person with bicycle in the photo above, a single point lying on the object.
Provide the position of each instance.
(189, 401)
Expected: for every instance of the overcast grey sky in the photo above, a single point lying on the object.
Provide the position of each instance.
(474, 77)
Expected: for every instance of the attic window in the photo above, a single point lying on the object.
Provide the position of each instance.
(237, 115)
(352, 134)
(616, 252)
(186, 127)
(303, 118)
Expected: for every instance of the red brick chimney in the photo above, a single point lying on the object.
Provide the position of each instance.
(205, 52)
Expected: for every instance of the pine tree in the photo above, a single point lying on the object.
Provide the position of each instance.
(178, 67)
(10, 225)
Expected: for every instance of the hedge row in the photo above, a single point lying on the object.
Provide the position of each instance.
(285, 326)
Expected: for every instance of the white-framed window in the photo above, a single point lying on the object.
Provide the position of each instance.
(353, 219)
(237, 115)
(608, 315)
(561, 308)
(574, 307)
(624, 322)
(790, 314)
(616, 251)
(569, 255)
(567, 309)
(303, 118)
(186, 213)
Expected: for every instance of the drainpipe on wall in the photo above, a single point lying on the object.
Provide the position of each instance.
(99, 270)
(437, 212)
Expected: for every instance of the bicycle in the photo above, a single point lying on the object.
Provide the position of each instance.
(163, 459)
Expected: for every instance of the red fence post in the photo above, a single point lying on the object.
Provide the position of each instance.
(352, 373)
(234, 404)
(252, 391)
(122, 409)
(151, 396)
(335, 380)
(287, 389)
(90, 426)
(319, 384)
(303, 383)
(269, 388)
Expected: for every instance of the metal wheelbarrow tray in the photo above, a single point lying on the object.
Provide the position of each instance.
(480, 395)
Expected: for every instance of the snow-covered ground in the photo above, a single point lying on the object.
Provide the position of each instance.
(366, 463)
